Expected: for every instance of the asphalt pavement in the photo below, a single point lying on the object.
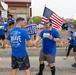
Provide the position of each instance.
(63, 67)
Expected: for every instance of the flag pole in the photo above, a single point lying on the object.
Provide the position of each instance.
(45, 5)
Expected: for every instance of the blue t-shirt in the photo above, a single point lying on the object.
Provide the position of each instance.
(2, 31)
(6, 23)
(13, 20)
(75, 41)
(17, 37)
(49, 46)
(72, 42)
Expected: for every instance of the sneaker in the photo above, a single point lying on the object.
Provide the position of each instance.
(64, 58)
(73, 65)
(39, 74)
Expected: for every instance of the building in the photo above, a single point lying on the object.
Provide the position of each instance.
(19, 8)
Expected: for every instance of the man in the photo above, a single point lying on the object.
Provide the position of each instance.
(17, 38)
(2, 32)
(49, 39)
(74, 49)
(71, 42)
(10, 21)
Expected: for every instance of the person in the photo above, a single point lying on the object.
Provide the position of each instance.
(6, 23)
(2, 32)
(71, 45)
(16, 38)
(31, 28)
(74, 49)
(49, 38)
(10, 21)
(13, 21)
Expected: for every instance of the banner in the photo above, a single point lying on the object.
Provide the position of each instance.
(32, 29)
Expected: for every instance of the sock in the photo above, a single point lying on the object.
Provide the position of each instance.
(53, 70)
(41, 68)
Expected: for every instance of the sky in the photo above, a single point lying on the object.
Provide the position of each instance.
(63, 8)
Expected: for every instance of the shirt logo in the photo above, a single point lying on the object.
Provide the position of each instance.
(46, 35)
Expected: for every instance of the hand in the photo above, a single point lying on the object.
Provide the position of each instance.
(51, 37)
(3, 28)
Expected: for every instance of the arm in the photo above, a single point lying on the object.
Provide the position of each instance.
(30, 42)
(37, 39)
(3, 28)
(55, 39)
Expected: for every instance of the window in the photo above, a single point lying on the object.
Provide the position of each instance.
(22, 15)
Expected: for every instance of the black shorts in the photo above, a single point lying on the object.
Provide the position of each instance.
(6, 31)
(20, 62)
(12, 23)
(2, 37)
(74, 49)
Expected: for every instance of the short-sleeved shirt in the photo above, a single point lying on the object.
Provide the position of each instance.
(72, 42)
(2, 31)
(49, 46)
(17, 37)
(6, 23)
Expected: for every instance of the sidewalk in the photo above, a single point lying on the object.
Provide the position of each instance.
(33, 52)
(63, 67)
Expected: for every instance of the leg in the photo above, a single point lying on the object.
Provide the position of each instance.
(14, 65)
(68, 52)
(2, 43)
(34, 36)
(14, 71)
(75, 56)
(3, 38)
(51, 60)
(41, 66)
(74, 52)
(52, 67)
(27, 72)
(24, 65)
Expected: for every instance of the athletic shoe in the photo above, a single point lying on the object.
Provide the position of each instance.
(39, 74)
(73, 65)
(64, 58)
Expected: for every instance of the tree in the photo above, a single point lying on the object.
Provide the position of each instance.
(36, 19)
(74, 21)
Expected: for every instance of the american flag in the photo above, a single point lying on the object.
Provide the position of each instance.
(57, 21)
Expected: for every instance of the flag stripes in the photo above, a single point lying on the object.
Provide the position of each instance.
(43, 20)
(57, 21)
